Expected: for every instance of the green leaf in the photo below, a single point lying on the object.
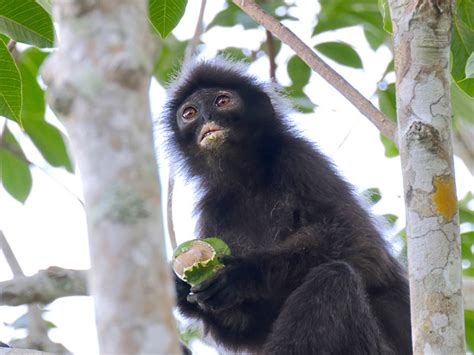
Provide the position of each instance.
(391, 218)
(26, 21)
(385, 11)
(462, 43)
(47, 138)
(391, 150)
(234, 53)
(197, 266)
(164, 15)
(299, 72)
(387, 101)
(34, 105)
(466, 214)
(220, 247)
(302, 103)
(373, 195)
(171, 54)
(469, 322)
(9, 142)
(341, 53)
(47, 5)
(16, 175)
(276, 45)
(390, 68)
(387, 104)
(336, 14)
(374, 38)
(232, 16)
(10, 86)
(467, 238)
(469, 71)
(467, 85)
(190, 333)
(50, 142)
(462, 104)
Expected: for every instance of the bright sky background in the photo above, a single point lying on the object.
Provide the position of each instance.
(49, 229)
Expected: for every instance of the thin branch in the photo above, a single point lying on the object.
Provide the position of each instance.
(43, 287)
(10, 257)
(11, 46)
(191, 49)
(11, 351)
(271, 55)
(468, 292)
(169, 211)
(382, 122)
(60, 183)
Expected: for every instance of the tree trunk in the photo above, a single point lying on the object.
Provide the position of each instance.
(422, 36)
(99, 81)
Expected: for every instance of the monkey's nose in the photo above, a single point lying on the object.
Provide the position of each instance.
(206, 117)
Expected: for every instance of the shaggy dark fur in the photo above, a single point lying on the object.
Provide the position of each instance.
(309, 272)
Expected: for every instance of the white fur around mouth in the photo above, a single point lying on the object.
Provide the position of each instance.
(211, 134)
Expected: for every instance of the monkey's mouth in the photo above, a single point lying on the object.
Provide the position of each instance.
(211, 134)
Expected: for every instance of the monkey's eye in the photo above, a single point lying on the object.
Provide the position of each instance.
(222, 100)
(189, 113)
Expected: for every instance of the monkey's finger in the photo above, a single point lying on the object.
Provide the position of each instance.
(200, 287)
(191, 298)
(229, 260)
(212, 291)
(198, 299)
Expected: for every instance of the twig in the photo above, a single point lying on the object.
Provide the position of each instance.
(44, 287)
(468, 292)
(9, 256)
(11, 45)
(271, 55)
(382, 122)
(169, 211)
(191, 49)
(60, 183)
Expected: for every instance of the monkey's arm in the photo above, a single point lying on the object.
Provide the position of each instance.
(256, 277)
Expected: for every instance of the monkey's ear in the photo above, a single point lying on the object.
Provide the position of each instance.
(262, 104)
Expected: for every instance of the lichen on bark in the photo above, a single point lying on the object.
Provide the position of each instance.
(422, 32)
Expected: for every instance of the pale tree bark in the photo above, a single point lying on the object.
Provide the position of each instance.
(43, 287)
(422, 35)
(99, 81)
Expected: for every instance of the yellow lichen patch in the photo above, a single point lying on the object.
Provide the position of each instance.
(444, 196)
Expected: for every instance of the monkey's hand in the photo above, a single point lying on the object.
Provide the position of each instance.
(182, 292)
(237, 282)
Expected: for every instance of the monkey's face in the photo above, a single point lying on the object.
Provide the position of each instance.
(209, 118)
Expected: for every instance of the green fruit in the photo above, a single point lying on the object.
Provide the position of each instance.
(196, 260)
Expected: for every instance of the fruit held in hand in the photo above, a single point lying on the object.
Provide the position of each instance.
(196, 260)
